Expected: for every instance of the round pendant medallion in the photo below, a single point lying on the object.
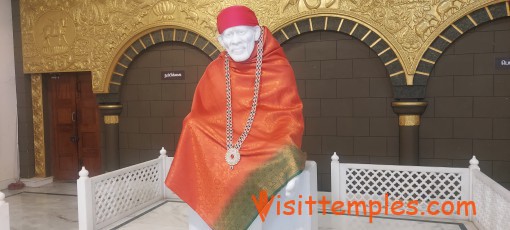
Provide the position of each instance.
(233, 156)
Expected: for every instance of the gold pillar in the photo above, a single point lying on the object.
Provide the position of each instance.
(38, 118)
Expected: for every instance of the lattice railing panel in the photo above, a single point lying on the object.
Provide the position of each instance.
(492, 203)
(365, 184)
(129, 189)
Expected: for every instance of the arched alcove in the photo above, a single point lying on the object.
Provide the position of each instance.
(153, 108)
(469, 106)
(347, 97)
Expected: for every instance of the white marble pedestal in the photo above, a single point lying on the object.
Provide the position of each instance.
(304, 185)
(4, 213)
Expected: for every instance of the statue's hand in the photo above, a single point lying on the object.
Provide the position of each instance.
(291, 186)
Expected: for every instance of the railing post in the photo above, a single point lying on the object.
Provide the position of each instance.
(335, 178)
(162, 152)
(162, 157)
(473, 165)
(85, 212)
(4, 213)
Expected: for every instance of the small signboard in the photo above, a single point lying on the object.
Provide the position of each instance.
(172, 75)
(503, 63)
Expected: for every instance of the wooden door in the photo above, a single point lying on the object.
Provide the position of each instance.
(75, 126)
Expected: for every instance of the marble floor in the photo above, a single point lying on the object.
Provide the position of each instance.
(54, 206)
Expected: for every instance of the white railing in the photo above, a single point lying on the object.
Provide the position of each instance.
(4, 213)
(492, 202)
(110, 197)
(367, 182)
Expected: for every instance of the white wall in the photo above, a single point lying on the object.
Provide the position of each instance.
(8, 112)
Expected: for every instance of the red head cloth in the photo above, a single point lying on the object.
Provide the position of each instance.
(236, 16)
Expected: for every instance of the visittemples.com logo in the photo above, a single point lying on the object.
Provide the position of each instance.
(372, 208)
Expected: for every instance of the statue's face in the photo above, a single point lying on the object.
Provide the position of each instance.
(239, 41)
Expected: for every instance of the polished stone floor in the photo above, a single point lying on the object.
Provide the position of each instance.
(54, 206)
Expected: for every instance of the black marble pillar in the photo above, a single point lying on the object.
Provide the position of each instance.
(111, 154)
(409, 116)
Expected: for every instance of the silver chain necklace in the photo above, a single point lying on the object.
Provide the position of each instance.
(233, 156)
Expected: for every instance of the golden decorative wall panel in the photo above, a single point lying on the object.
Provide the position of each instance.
(87, 35)
(38, 117)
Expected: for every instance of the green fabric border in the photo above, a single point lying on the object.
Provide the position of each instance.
(272, 177)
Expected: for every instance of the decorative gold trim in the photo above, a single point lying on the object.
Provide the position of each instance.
(397, 73)
(213, 52)
(205, 45)
(489, 13)
(114, 83)
(507, 8)
(196, 39)
(409, 120)
(152, 39)
(297, 28)
(133, 48)
(375, 43)
(111, 119)
(429, 61)
(125, 67)
(122, 75)
(285, 34)
(384, 51)
(162, 36)
(185, 36)
(366, 35)
(472, 20)
(70, 48)
(391, 61)
(110, 107)
(446, 39)
(353, 29)
(143, 44)
(128, 57)
(409, 79)
(458, 29)
(340, 25)
(38, 118)
(422, 73)
(408, 103)
(174, 34)
(436, 50)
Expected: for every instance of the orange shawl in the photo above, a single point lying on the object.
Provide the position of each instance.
(270, 155)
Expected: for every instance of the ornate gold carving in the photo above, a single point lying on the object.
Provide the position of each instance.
(111, 119)
(409, 120)
(164, 10)
(74, 35)
(37, 109)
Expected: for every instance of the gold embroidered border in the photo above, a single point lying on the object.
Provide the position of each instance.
(271, 177)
